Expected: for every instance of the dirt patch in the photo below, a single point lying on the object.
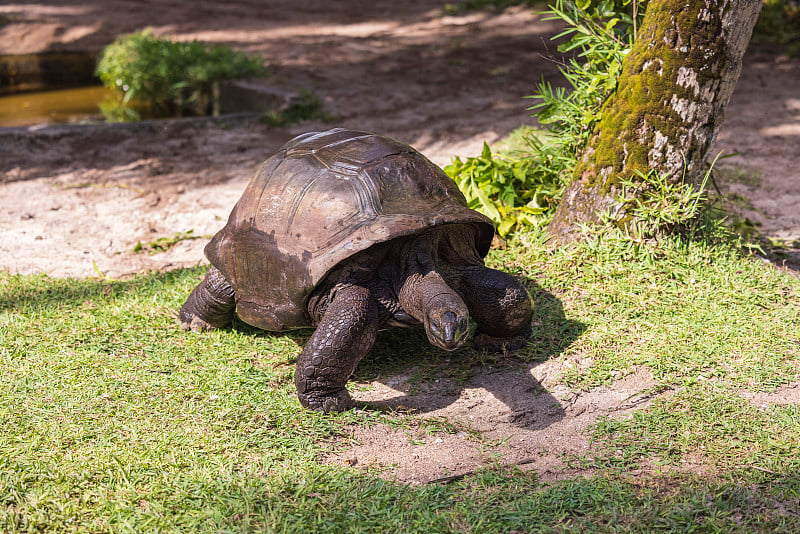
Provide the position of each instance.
(78, 199)
(81, 196)
(789, 394)
(513, 415)
(762, 127)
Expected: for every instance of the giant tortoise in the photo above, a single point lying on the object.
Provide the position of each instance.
(351, 233)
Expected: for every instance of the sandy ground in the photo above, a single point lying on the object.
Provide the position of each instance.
(78, 199)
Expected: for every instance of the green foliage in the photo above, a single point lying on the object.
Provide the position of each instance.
(464, 6)
(523, 189)
(513, 192)
(659, 206)
(656, 207)
(600, 36)
(169, 77)
(665, 206)
(779, 23)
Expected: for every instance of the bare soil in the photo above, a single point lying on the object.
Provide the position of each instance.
(77, 199)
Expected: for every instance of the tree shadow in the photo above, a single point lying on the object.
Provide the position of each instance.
(39, 292)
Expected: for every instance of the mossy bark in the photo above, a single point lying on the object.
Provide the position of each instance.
(669, 104)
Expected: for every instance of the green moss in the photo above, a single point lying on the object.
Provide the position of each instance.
(671, 37)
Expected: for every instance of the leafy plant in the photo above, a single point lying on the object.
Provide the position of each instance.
(663, 206)
(524, 189)
(600, 36)
(166, 77)
(513, 192)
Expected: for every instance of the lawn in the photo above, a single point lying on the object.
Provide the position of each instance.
(112, 419)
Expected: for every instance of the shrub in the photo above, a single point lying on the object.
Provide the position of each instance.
(512, 191)
(464, 6)
(524, 189)
(779, 24)
(167, 77)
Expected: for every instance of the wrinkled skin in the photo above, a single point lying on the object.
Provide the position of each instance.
(435, 279)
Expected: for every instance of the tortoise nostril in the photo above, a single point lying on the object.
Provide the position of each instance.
(450, 327)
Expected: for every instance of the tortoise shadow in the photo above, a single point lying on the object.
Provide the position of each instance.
(424, 379)
(419, 378)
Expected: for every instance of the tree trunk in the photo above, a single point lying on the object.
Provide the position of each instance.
(667, 109)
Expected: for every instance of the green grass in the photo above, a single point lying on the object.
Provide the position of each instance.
(688, 314)
(114, 420)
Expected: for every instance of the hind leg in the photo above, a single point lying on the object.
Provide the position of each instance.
(210, 305)
(500, 306)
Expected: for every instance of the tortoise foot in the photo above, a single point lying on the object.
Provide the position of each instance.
(210, 305)
(338, 401)
(194, 323)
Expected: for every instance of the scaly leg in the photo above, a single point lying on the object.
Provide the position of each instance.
(210, 305)
(345, 335)
(500, 306)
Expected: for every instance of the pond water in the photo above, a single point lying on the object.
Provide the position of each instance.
(57, 106)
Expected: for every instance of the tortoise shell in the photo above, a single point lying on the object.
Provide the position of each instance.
(322, 198)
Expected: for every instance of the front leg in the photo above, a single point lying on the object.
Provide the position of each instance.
(345, 335)
(500, 306)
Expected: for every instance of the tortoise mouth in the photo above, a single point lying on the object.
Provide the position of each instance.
(449, 346)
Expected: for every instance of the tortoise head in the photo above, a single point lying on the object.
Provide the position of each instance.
(425, 294)
(447, 326)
